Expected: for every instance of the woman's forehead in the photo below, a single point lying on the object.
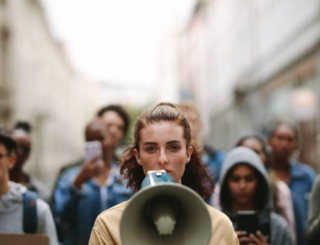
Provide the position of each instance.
(242, 167)
(162, 130)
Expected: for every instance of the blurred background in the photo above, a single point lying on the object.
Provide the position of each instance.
(246, 64)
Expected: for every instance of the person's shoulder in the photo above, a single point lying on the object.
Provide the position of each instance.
(302, 167)
(69, 173)
(278, 222)
(218, 216)
(42, 207)
(280, 230)
(112, 214)
(118, 207)
(108, 222)
(222, 228)
(44, 215)
(40, 187)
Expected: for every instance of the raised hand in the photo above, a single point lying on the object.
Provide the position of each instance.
(88, 170)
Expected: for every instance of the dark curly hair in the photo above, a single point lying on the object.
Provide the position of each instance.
(121, 112)
(195, 175)
(25, 126)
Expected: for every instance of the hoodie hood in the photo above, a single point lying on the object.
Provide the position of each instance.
(12, 200)
(243, 155)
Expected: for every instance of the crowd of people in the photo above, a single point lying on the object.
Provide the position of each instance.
(257, 182)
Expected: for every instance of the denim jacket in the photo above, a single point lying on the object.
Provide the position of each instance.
(78, 209)
(300, 184)
(214, 164)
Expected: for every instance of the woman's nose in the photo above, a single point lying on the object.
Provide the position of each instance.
(163, 159)
(242, 184)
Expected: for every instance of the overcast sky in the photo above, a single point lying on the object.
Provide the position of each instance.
(117, 40)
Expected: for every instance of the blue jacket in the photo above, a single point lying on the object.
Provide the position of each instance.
(300, 184)
(78, 209)
(213, 163)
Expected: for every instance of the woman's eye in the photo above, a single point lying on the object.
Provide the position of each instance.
(250, 179)
(234, 179)
(151, 149)
(174, 147)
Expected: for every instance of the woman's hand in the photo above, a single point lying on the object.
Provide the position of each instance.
(88, 170)
(243, 238)
(257, 239)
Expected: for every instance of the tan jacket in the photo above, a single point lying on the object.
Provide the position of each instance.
(106, 228)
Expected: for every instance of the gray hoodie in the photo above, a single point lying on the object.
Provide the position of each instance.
(280, 232)
(11, 214)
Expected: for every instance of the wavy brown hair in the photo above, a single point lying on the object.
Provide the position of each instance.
(195, 175)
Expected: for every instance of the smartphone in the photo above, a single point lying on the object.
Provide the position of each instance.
(92, 149)
(251, 222)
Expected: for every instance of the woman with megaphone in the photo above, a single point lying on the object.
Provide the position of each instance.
(163, 166)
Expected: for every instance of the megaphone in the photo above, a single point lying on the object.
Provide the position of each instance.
(164, 212)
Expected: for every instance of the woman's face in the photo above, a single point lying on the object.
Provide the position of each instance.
(162, 146)
(256, 146)
(242, 184)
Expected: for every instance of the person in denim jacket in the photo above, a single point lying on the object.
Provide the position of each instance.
(82, 192)
(79, 208)
(298, 176)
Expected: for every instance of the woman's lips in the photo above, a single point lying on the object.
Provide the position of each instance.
(243, 195)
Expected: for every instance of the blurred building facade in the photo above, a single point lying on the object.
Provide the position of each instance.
(249, 63)
(38, 84)
(111, 92)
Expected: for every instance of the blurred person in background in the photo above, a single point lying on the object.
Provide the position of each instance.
(15, 197)
(284, 140)
(313, 228)
(117, 121)
(22, 135)
(82, 192)
(245, 187)
(212, 158)
(282, 200)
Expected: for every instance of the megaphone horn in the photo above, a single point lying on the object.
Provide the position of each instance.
(164, 212)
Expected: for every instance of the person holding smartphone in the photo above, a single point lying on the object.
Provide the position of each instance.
(282, 199)
(82, 192)
(245, 196)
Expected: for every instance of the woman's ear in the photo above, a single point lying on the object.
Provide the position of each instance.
(137, 156)
(12, 159)
(189, 153)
